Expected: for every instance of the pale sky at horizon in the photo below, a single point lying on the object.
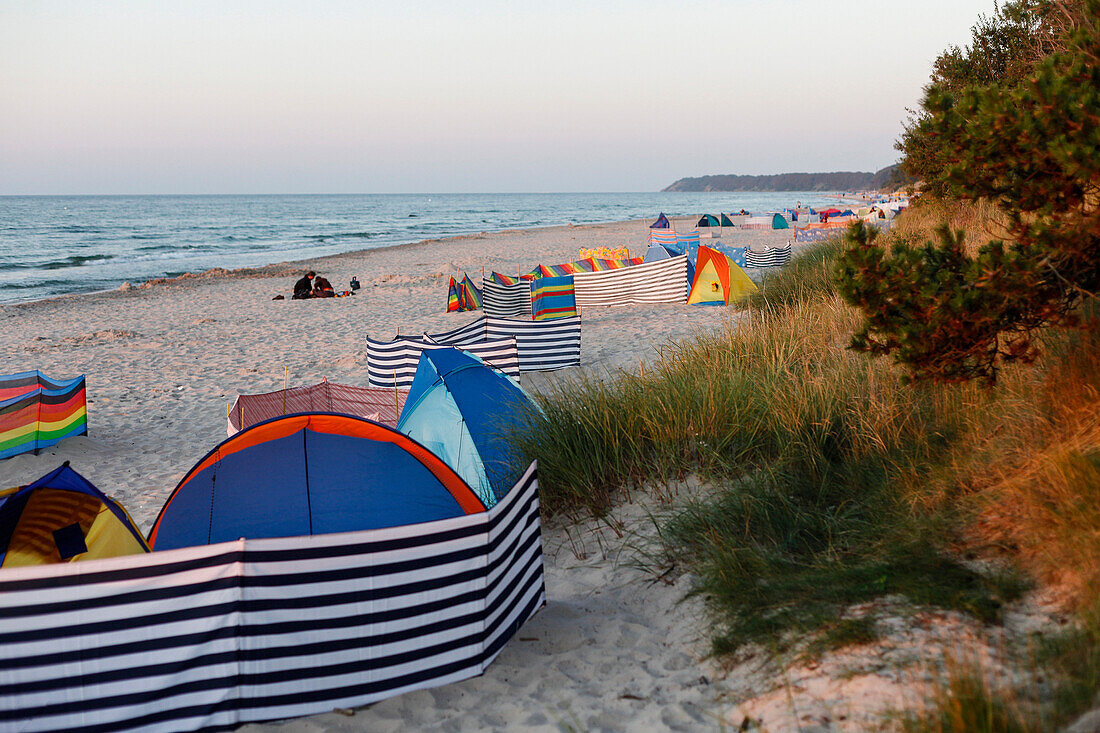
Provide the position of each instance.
(432, 97)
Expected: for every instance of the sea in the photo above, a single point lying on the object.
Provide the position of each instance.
(57, 245)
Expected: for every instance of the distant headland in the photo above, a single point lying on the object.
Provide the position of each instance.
(837, 181)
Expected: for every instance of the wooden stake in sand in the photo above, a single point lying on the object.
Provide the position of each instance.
(286, 372)
(396, 406)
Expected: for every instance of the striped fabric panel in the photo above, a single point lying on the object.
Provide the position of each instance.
(208, 638)
(602, 265)
(41, 414)
(454, 303)
(393, 363)
(772, 257)
(666, 237)
(556, 270)
(469, 294)
(684, 242)
(553, 297)
(754, 221)
(14, 385)
(506, 301)
(663, 281)
(541, 345)
(381, 404)
(502, 279)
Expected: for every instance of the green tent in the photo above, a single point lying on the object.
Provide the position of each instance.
(780, 222)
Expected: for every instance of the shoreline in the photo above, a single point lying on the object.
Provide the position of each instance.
(176, 352)
(279, 269)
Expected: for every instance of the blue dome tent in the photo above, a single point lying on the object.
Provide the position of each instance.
(463, 410)
(307, 474)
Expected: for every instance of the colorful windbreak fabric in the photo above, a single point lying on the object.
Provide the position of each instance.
(469, 294)
(553, 297)
(604, 265)
(502, 279)
(688, 239)
(607, 253)
(453, 303)
(37, 412)
(664, 237)
(463, 295)
(556, 270)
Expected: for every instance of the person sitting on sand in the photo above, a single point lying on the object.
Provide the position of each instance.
(322, 288)
(304, 288)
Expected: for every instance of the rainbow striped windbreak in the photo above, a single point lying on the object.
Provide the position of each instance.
(553, 297)
(37, 412)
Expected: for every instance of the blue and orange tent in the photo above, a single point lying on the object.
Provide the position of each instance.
(306, 474)
(465, 411)
(63, 518)
(661, 223)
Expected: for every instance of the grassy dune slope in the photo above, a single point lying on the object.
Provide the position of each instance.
(838, 483)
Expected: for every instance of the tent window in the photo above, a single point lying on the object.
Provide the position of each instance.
(70, 541)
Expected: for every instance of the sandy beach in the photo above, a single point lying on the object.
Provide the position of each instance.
(613, 649)
(163, 361)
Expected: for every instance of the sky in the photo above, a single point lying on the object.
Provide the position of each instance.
(423, 96)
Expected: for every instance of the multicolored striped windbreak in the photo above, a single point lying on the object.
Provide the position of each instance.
(471, 296)
(37, 412)
(664, 237)
(463, 295)
(553, 297)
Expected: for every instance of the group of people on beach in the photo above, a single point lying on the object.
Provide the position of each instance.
(308, 287)
(313, 285)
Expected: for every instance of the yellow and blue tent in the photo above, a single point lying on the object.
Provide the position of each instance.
(62, 517)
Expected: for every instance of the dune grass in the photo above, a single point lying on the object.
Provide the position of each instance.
(836, 482)
(966, 700)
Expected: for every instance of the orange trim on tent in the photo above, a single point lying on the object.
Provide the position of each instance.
(354, 427)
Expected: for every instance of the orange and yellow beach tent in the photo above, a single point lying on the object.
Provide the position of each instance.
(718, 281)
